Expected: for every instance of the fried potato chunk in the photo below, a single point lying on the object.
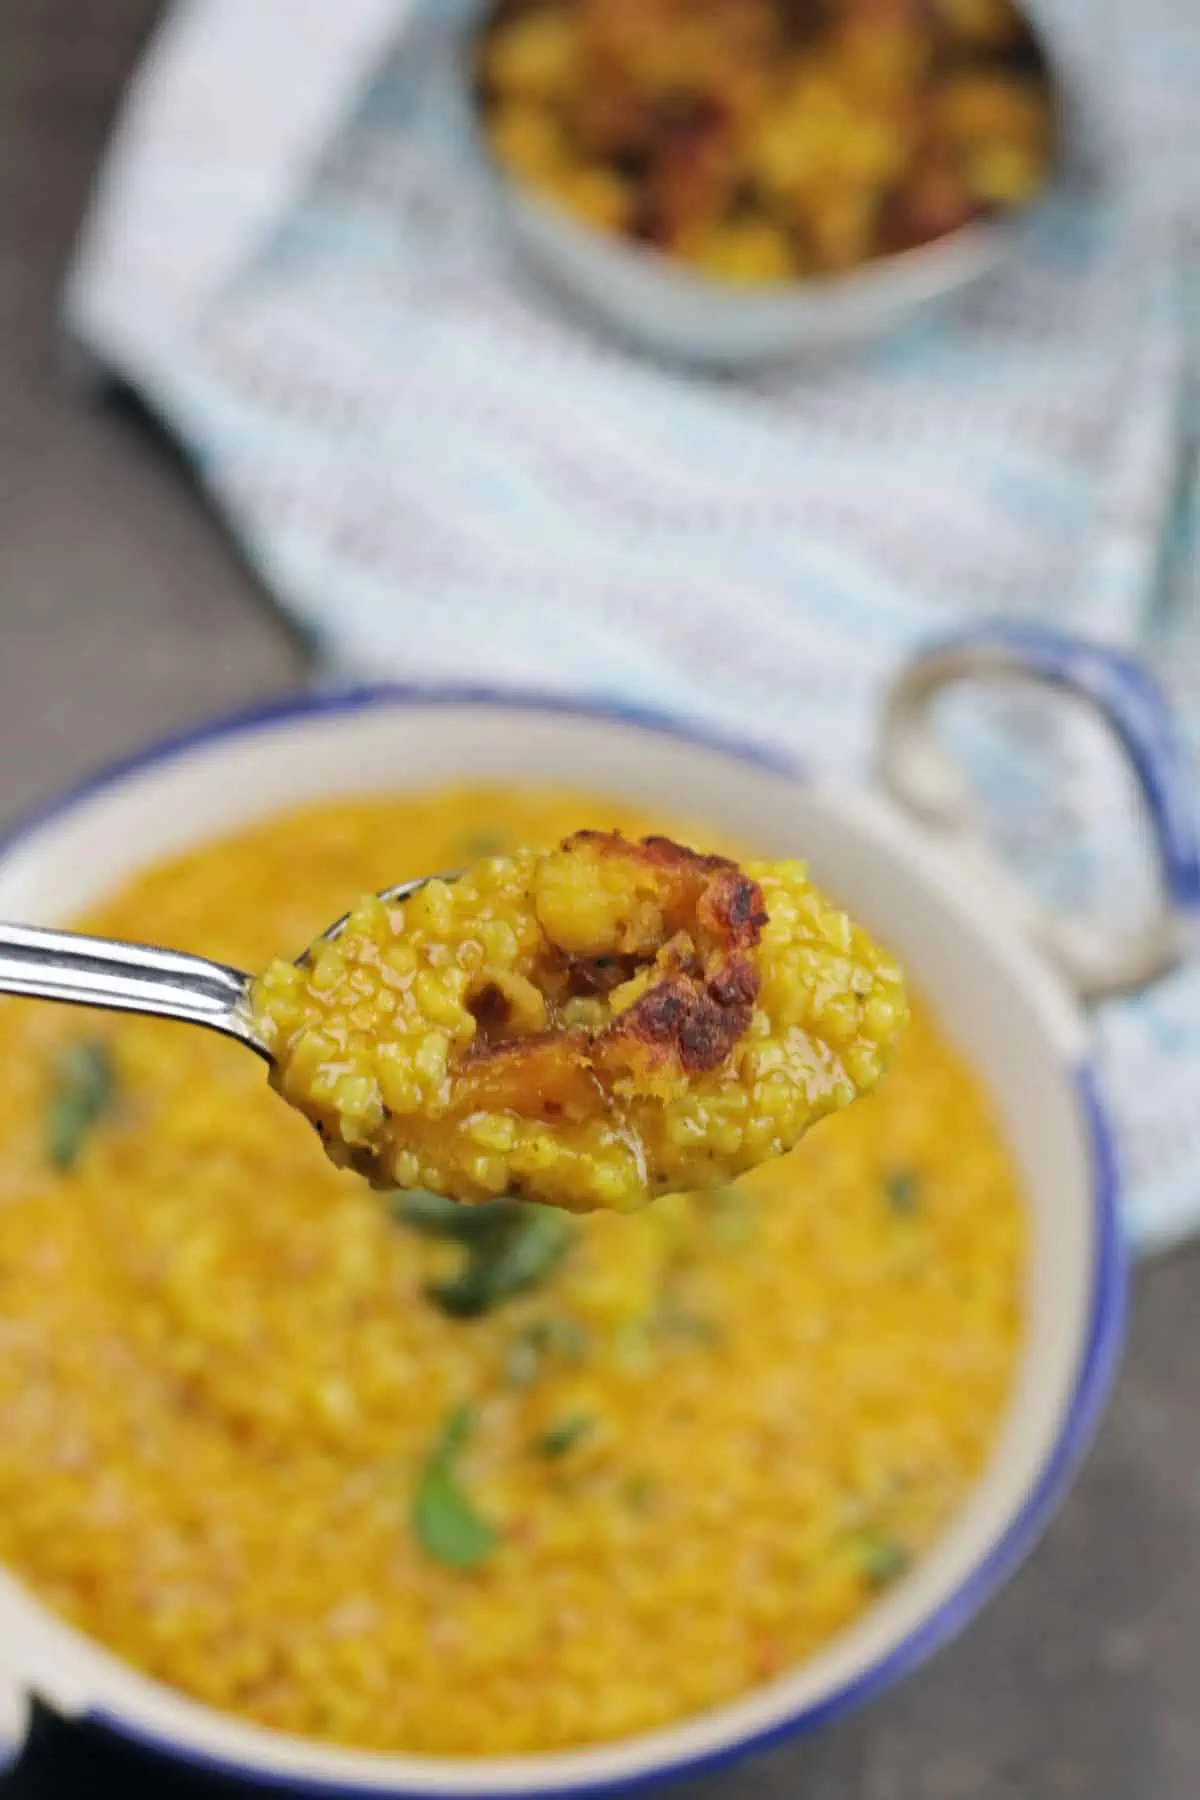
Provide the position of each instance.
(588, 1028)
(763, 142)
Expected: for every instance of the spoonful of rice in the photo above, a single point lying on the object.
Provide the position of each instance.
(588, 1027)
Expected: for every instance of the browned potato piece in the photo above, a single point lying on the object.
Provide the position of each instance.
(588, 1028)
(764, 140)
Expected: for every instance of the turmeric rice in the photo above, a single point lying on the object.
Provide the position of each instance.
(587, 1027)
(467, 1481)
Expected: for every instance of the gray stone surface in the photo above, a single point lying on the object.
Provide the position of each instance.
(124, 612)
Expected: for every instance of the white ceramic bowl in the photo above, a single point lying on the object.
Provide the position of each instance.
(1010, 1013)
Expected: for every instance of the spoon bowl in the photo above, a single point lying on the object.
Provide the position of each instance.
(401, 891)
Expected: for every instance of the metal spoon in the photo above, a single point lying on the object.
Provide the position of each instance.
(140, 978)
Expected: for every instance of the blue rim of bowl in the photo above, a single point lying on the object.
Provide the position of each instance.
(1097, 1364)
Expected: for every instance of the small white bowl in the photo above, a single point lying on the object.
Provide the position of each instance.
(657, 304)
(1000, 1000)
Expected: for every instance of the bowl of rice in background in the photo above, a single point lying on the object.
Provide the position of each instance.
(278, 1503)
(764, 179)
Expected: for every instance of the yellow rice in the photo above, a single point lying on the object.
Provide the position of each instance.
(221, 1377)
(660, 1022)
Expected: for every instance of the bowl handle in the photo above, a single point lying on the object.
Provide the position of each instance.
(916, 771)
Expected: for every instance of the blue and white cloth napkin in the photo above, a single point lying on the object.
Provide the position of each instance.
(441, 474)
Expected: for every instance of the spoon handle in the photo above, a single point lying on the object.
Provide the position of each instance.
(138, 978)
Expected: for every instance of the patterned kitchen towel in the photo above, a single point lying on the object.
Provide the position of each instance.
(442, 474)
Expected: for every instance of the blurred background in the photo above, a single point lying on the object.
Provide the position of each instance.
(110, 564)
(243, 349)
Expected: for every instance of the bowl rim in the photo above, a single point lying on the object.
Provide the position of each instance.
(1097, 1356)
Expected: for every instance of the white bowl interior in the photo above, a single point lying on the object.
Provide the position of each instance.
(997, 1001)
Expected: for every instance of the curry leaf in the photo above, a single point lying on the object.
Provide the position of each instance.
(562, 1437)
(543, 1340)
(447, 1526)
(455, 1435)
(537, 1240)
(432, 1215)
(562, 1337)
(521, 1246)
(509, 1246)
(83, 1090)
(884, 1558)
(903, 1192)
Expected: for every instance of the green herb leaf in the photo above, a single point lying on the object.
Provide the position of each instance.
(456, 1433)
(539, 1343)
(884, 1558)
(432, 1215)
(520, 1247)
(510, 1245)
(561, 1337)
(537, 1239)
(903, 1192)
(446, 1525)
(561, 1438)
(83, 1091)
(670, 1320)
